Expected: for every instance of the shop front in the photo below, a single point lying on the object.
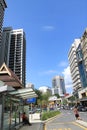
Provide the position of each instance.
(83, 97)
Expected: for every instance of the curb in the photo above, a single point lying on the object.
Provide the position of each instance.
(36, 121)
(50, 119)
(83, 123)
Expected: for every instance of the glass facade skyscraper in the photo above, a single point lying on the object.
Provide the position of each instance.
(81, 66)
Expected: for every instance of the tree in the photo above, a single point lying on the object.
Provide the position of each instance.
(42, 98)
(65, 102)
(57, 95)
(39, 93)
(39, 98)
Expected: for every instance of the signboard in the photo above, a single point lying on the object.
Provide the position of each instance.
(31, 100)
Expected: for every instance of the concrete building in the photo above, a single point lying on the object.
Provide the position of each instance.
(84, 49)
(83, 69)
(2, 9)
(45, 89)
(30, 85)
(81, 66)
(74, 69)
(13, 51)
(58, 85)
(78, 65)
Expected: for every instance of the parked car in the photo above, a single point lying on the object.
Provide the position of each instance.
(38, 110)
(81, 108)
(31, 111)
(71, 108)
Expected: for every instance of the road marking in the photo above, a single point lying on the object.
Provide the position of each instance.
(60, 123)
(80, 125)
(45, 128)
(61, 129)
(67, 128)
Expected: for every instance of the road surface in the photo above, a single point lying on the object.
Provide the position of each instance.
(66, 121)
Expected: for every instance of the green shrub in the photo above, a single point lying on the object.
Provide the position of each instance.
(47, 115)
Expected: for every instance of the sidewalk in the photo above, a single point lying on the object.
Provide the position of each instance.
(37, 124)
(82, 122)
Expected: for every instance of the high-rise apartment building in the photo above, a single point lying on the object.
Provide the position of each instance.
(78, 65)
(13, 51)
(74, 69)
(58, 85)
(2, 9)
(84, 48)
(81, 66)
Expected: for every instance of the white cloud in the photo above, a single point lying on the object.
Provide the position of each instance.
(67, 77)
(63, 64)
(48, 28)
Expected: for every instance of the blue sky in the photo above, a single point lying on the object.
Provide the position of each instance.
(51, 27)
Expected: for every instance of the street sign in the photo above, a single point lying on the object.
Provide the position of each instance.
(31, 100)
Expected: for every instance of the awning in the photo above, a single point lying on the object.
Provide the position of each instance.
(23, 93)
(83, 99)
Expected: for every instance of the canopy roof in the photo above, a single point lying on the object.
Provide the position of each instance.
(23, 93)
(10, 83)
(6, 88)
(18, 94)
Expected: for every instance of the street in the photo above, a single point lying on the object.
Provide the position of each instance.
(66, 121)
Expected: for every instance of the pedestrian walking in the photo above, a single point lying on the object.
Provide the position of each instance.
(75, 110)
